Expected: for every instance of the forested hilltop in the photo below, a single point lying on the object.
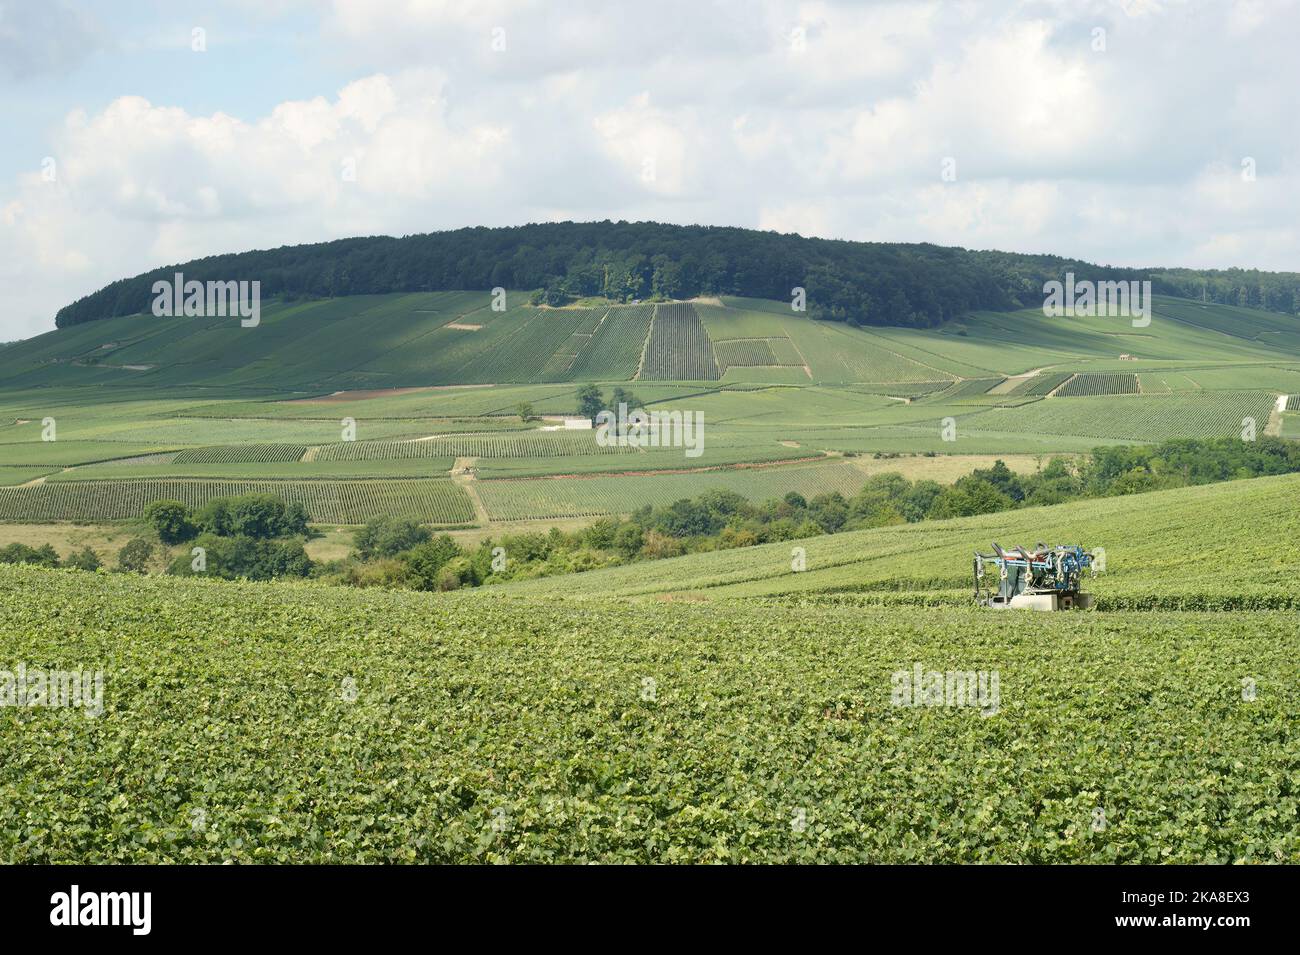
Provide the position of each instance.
(862, 283)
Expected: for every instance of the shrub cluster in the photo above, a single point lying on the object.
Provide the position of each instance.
(47, 556)
(252, 536)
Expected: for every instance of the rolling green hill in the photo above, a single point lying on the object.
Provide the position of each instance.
(433, 381)
(456, 338)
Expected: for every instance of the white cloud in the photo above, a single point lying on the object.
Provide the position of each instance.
(1128, 155)
(651, 146)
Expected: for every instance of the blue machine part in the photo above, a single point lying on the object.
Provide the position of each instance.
(1044, 570)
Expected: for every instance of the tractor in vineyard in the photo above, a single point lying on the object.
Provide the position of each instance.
(1046, 578)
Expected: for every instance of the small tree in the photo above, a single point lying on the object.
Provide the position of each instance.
(171, 519)
(424, 562)
(134, 557)
(619, 396)
(590, 402)
(525, 411)
(295, 519)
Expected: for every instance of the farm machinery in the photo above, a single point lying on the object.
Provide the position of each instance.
(1046, 578)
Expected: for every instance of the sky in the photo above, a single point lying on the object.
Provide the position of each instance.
(139, 134)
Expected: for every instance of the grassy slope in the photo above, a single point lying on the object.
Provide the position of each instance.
(535, 713)
(1203, 371)
(385, 341)
(1194, 545)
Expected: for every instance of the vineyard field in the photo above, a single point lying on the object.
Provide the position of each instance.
(615, 347)
(593, 497)
(241, 454)
(972, 388)
(22, 474)
(1041, 385)
(433, 339)
(434, 501)
(1089, 712)
(68, 453)
(745, 351)
(425, 380)
(678, 348)
(672, 710)
(267, 470)
(655, 459)
(526, 352)
(1135, 418)
(513, 445)
(1089, 385)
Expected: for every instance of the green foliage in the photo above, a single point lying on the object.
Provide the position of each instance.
(257, 516)
(388, 537)
(621, 395)
(969, 496)
(874, 283)
(46, 556)
(241, 556)
(425, 562)
(134, 556)
(171, 519)
(493, 728)
(590, 402)
(84, 559)
(18, 553)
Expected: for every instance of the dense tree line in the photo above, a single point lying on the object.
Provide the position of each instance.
(1246, 288)
(863, 283)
